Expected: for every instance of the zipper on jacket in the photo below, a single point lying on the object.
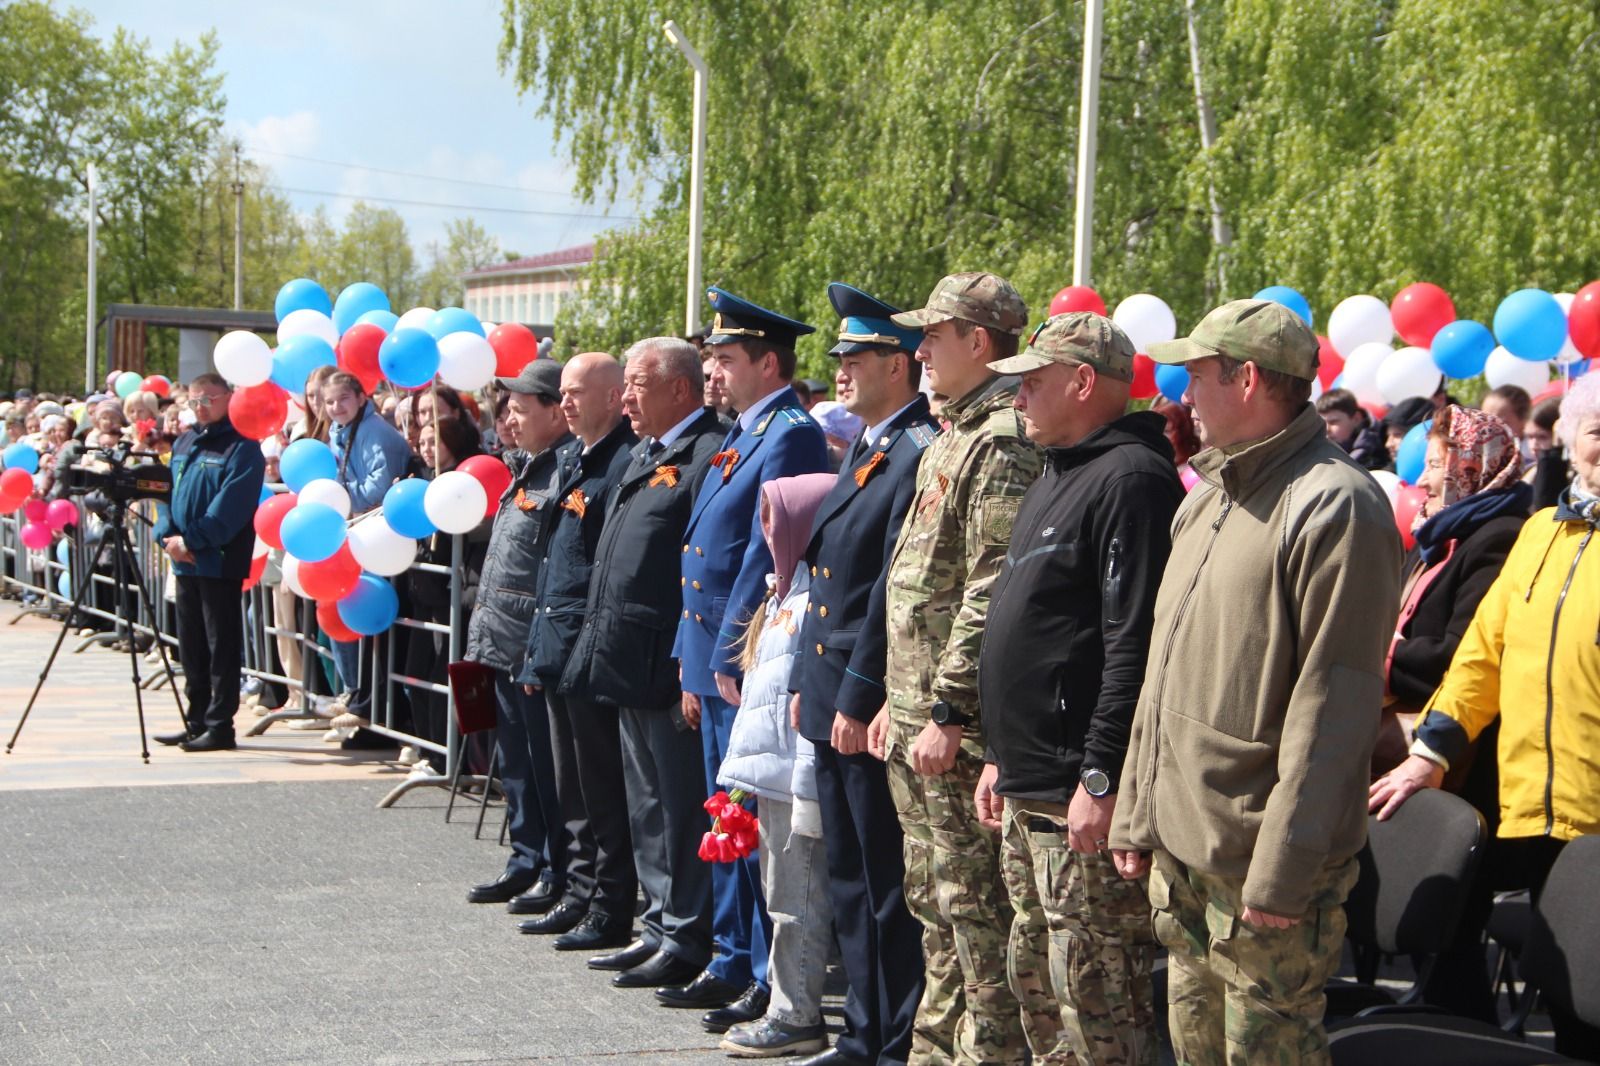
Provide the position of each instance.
(1550, 688)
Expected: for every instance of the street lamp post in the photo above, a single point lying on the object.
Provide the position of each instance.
(697, 157)
(88, 340)
(1088, 119)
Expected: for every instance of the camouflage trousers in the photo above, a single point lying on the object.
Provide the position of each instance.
(1240, 993)
(1081, 947)
(953, 886)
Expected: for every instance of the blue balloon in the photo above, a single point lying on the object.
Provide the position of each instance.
(449, 320)
(1172, 381)
(306, 460)
(20, 456)
(1461, 349)
(409, 358)
(299, 294)
(1282, 294)
(312, 532)
(403, 510)
(1531, 325)
(1412, 457)
(356, 300)
(295, 360)
(371, 607)
(384, 320)
(64, 586)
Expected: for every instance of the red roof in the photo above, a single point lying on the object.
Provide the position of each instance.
(577, 256)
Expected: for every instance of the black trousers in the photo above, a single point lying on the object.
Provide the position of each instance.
(533, 815)
(211, 649)
(586, 740)
(879, 941)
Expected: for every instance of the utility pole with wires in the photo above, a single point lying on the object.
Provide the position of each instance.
(1221, 234)
(238, 228)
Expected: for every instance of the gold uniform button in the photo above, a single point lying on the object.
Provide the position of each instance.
(684, 581)
(813, 571)
(686, 614)
(699, 551)
(697, 586)
(697, 618)
(819, 649)
(822, 611)
(808, 608)
(826, 572)
(686, 549)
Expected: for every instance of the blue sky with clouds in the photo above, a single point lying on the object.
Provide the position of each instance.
(403, 86)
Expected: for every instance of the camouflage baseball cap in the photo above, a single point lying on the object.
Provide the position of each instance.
(985, 299)
(1262, 332)
(1075, 337)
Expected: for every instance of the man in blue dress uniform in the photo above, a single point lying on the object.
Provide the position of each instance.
(725, 565)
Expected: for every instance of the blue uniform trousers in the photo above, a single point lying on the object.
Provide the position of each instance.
(741, 932)
(527, 772)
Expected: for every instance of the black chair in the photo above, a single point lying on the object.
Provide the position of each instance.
(1407, 900)
(1561, 960)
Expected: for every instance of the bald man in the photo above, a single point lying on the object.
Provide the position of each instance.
(596, 912)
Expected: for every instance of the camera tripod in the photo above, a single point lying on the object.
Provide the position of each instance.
(131, 593)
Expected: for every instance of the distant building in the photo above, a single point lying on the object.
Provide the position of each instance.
(530, 290)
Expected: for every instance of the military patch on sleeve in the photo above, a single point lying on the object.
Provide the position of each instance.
(996, 515)
(921, 435)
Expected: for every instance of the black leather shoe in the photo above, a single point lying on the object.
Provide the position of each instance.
(595, 933)
(633, 955)
(832, 1057)
(502, 888)
(658, 971)
(210, 740)
(537, 899)
(747, 1008)
(562, 918)
(171, 740)
(705, 991)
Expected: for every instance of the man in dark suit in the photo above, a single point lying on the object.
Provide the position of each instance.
(624, 658)
(838, 680)
(597, 909)
(725, 565)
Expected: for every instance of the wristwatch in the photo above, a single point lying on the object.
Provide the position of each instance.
(1096, 782)
(944, 714)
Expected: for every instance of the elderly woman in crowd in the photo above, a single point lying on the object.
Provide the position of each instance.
(1531, 660)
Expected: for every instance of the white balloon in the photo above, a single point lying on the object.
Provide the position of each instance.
(379, 549)
(1389, 481)
(308, 320)
(1503, 368)
(1361, 370)
(1569, 352)
(455, 502)
(327, 491)
(466, 361)
(243, 358)
(1146, 319)
(1407, 373)
(291, 576)
(416, 318)
(1359, 320)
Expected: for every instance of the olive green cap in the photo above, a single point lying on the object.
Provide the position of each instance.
(1262, 332)
(1075, 337)
(987, 300)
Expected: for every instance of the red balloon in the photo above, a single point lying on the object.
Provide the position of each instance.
(1077, 298)
(492, 474)
(1583, 320)
(258, 566)
(1144, 378)
(269, 518)
(514, 346)
(1420, 310)
(1407, 502)
(16, 482)
(358, 353)
(1330, 364)
(157, 384)
(60, 514)
(332, 579)
(9, 503)
(328, 618)
(258, 411)
(37, 512)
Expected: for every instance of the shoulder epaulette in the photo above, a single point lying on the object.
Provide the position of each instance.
(921, 435)
(794, 416)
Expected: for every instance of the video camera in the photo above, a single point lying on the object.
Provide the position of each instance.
(116, 481)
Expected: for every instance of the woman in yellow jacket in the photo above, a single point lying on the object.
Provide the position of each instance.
(1531, 657)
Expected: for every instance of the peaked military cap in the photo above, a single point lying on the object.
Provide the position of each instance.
(737, 318)
(864, 323)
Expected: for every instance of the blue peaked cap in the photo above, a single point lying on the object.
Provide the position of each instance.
(736, 318)
(864, 323)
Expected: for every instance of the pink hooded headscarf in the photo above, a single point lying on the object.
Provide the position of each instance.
(793, 503)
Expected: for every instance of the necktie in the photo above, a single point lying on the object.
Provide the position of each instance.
(856, 451)
(654, 448)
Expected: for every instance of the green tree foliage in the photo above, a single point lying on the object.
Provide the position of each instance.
(467, 246)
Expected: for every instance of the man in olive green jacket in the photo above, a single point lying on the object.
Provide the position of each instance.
(1247, 771)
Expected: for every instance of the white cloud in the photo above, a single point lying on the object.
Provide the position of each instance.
(295, 134)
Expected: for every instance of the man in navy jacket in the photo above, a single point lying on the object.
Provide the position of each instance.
(208, 532)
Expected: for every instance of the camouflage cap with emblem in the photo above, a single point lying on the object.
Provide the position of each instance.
(984, 299)
(1074, 337)
(1248, 331)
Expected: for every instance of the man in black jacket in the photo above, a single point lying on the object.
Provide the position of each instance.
(1059, 673)
(497, 636)
(597, 908)
(624, 659)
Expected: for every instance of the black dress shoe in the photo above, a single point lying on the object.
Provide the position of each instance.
(210, 740)
(626, 959)
(562, 918)
(832, 1057)
(502, 888)
(706, 990)
(658, 971)
(538, 898)
(595, 933)
(747, 1008)
(171, 740)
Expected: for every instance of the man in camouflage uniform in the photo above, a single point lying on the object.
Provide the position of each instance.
(969, 485)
